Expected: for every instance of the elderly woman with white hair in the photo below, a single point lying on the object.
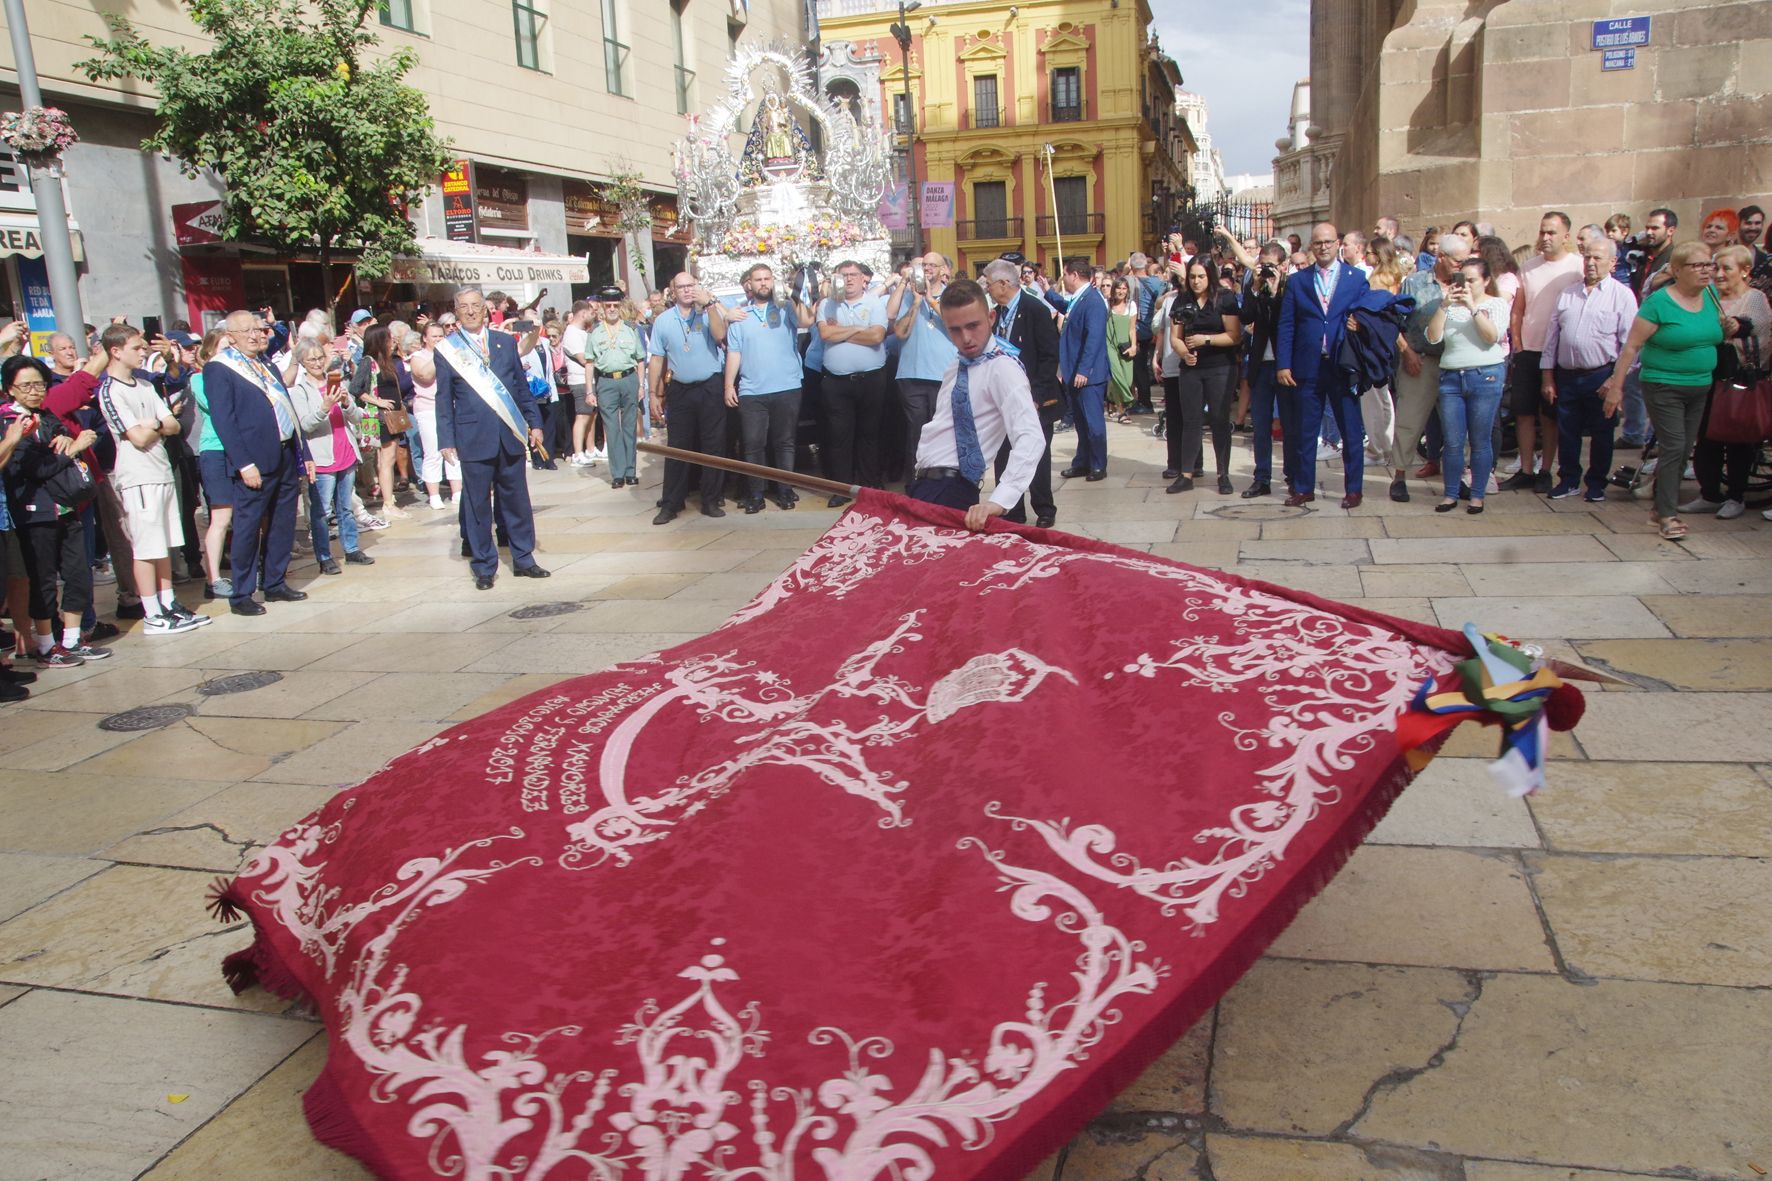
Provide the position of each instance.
(329, 419)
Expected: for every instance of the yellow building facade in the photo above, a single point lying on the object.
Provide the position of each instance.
(992, 84)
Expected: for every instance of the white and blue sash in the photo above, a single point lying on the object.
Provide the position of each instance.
(268, 380)
(473, 368)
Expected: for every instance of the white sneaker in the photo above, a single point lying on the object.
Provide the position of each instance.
(1699, 504)
(371, 522)
(1730, 510)
(437, 502)
(598, 455)
(103, 575)
(579, 459)
(166, 625)
(1766, 514)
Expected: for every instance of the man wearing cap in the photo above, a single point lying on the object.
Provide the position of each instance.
(361, 319)
(693, 402)
(487, 422)
(614, 352)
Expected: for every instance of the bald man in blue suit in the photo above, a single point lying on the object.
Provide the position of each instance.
(1313, 320)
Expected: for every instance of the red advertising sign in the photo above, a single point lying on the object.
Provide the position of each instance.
(195, 223)
(214, 286)
(458, 201)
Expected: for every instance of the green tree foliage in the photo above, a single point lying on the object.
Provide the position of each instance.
(321, 146)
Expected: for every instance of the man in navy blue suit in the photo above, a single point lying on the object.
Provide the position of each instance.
(1313, 318)
(256, 423)
(487, 422)
(1083, 368)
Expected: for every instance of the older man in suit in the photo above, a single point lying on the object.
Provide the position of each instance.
(252, 415)
(1083, 368)
(1024, 321)
(1313, 318)
(487, 422)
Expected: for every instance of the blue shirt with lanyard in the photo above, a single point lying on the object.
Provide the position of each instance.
(1325, 284)
(687, 342)
(927, 351)
(767, 342)
(843, 357)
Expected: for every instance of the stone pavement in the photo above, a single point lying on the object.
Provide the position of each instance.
(1570, 988)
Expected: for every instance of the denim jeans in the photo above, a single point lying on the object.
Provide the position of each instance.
(769, 423)
(1636, 413)
(1580, 411)
(331, 493)
(1469, 402)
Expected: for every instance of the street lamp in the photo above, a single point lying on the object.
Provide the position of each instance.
(901, 33)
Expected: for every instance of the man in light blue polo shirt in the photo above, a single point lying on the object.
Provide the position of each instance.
(853, 326)
(763, 380)
(927, 353)
(688, 336)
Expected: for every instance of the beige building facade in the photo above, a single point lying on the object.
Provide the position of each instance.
(542, 99)
(1435, 110)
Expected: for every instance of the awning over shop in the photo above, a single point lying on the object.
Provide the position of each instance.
(20, 234)
(444, 262)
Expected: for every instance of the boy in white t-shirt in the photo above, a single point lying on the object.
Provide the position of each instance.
(141, 422)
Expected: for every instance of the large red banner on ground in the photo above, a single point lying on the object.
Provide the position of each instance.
(902, 872)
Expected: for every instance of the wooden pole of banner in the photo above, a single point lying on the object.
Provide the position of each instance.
(810, 483)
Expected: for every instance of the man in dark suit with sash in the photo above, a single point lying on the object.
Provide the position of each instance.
(253, 417)
(1025, 322)
(487, 422)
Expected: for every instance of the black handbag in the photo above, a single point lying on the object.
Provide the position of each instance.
(71, 485)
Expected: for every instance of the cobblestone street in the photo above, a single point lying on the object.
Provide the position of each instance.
(1568, 988)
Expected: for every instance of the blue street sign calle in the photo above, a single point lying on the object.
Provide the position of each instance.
(1621, 33)
(1619, 59)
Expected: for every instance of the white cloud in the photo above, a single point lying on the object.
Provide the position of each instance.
(1243, 57)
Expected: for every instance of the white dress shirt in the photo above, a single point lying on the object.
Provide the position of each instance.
(1002, 408)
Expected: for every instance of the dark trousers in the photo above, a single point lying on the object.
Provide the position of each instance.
(506, 475)
(560, 439)
(55, 550)
(1040, 487)
(1089, 409)
(1141, 374)
(547, 410)
(853, 405)
(769, 423)
(184, 469)
(1204, 396)
(269, 508)
(1722, 468)
(952, 491)
(1268, 399)
(1330, 393)
(695, 420)
(916, 400)
(1581, 411)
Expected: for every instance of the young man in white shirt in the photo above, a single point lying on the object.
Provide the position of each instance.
(983, 400)
(572, 343)
(141, 422)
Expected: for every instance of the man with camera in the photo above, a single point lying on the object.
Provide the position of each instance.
(927, 352)
(1261, 391)
(1417, 386)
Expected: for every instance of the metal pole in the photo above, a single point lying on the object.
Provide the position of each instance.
(46, 187)
(910, 134)
(1057, 229)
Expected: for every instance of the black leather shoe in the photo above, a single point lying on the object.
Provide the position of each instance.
(837, 501)
(466, 552)
(284, 594)
(665, 516)
(751, 507)
(1181, 484)
(1400, 490)
(531, 572)
(785, 504)
(1044, 520)
(1095, 475)
(1254, 490)
(1224, 485)
(1170, 473)
(359, 558)
(1518, 481)
(713, 510)
(633, 481)
(483, 581)
(15, 676)
(246, 607)
(1071, 473)
(331, 567)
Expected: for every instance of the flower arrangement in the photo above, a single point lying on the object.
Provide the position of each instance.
(38, 134)
(791, 241)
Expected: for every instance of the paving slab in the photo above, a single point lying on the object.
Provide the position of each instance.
(1455, 802)
(1605, 807)
(1535, 618)
(28, 878)
(1688, 727)
(1630, 1077)
(1416, 551)
(1704, 665)
(88, 1079)
(1746, 616)
(222, 831)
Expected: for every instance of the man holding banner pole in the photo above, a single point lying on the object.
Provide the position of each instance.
(487, 422)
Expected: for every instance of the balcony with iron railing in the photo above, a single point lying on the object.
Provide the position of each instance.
(979, 117)
(989, 229)
(1068, 112)
(1071, 224)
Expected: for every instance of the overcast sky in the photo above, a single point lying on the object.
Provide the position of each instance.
(1243, 57)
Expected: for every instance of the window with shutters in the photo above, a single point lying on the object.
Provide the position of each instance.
(1067, 95)
(985, 109)
(990, 209)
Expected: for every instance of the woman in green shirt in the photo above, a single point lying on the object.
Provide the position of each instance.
(212, 470)
(1677, 331)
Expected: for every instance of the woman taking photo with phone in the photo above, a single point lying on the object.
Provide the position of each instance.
(383, 382)
(214, 474)
(329, 419)
(1471, 321)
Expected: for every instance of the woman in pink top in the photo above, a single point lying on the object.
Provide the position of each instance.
(329, 419)
(423, 365)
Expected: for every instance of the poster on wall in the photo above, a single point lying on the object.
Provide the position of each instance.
(938, 205)
(501, 199)
(894, 209)
(589, 210)
(214, 286)
(458, 201)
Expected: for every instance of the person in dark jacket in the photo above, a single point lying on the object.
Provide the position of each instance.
(1264, 396)
(1024, 321)
(1369, 352)
(51, 539)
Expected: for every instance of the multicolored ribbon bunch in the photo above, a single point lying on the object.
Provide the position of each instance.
(1498, 685)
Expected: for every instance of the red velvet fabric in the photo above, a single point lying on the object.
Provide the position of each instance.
(904, 871)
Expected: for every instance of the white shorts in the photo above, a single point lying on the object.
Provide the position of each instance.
(150, 518)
